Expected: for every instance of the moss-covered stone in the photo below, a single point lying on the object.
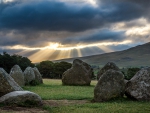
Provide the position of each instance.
(21, 98)
(17, 74)
(79, 74)
(110, 85)
(109, 65)
(7, 83)
(138, 87)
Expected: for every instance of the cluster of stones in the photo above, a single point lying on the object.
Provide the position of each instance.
(10, 86)
(32, 75)
(111, 83)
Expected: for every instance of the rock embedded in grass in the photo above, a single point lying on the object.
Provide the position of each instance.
(109, 65)
(21, 98)
(7, 83)
(110, 85)
(29, 75)
(138, 86)
(79, 74)
(17, 74)
(38, 76)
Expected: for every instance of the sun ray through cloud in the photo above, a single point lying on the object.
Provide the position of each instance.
(55, 51)
(56, 29)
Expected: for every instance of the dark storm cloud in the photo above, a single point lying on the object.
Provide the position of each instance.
(47, 15)
(127, 9)
(57, 16)
(103, 35)
(28, 22)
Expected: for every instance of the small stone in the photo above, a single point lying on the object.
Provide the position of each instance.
(23, 98)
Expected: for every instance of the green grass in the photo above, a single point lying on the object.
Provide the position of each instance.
(107, 107)
(53, 89)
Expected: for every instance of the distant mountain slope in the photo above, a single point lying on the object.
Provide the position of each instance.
(135, 56)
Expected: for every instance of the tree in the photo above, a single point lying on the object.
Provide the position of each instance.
(60, 68)
(131, 72)
(7, 61)
(53, 70)
(46, 69)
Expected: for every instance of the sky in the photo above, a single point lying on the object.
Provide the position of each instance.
(57, 29)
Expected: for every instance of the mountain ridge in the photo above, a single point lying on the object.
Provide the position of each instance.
(133, 57)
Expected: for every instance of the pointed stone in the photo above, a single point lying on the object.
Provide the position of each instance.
(109, 65)
(7, 83)
(17, 74)
(29, 75)
(38, 76)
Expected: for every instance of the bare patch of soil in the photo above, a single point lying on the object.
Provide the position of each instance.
(15, 109)
(57, 103)
(52, 103)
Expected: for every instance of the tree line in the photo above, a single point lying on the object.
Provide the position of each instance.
(53, 70)
(7, 61)
(48, 69)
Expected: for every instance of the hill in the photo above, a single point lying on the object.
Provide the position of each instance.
(134, 57)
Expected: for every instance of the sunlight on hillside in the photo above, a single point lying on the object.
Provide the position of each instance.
(55, 51)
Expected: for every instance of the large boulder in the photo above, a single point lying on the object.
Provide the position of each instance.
(109, 65)
(38, 76)
(17, 74)
(7, 83)
(110, 85)
(29, 75)
(138, 87)
(79, 74)
(23, 98)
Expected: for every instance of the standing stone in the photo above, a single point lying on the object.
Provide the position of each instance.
(138, 86)
(17, 74)
(23, 98)
(110, 85)
(7, 83)
(79, 74)
(125, 81)
(29, 75)
(38, 76)
(109, 65)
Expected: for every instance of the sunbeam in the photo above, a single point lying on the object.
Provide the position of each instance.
(58, 46)
(55, 51)
(105, 49)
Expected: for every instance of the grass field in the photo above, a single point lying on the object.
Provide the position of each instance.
(53, 90)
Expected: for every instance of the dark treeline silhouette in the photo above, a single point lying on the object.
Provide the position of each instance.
(7, 61)
(130, 72)
(52, 70)
(48, 69)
